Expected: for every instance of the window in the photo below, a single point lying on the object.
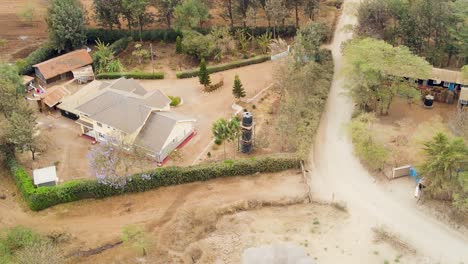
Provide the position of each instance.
(99, 124)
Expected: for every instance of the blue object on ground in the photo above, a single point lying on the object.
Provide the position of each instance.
(414, 174)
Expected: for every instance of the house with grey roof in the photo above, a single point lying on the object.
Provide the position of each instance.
(124, 110)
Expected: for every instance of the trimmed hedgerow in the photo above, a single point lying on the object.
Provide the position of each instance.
(170, 35)
(120, 45)
(110, 36)
(224, 66)
(135, 75)
(44, 197)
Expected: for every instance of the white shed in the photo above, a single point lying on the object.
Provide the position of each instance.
(45, 177)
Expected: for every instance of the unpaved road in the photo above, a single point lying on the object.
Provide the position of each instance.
(337, 174)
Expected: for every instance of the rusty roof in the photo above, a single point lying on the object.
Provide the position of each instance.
(65, 63)
(54, 95)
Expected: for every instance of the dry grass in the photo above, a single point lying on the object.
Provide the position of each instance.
(382, 235)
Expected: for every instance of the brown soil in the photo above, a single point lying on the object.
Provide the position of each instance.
(21, 37)
(174, 217)
(407, 127)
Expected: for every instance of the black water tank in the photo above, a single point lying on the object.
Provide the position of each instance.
(246, 147)
(247, 119)
(247, 135)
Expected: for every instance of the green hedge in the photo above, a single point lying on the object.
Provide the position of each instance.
(44, 197)
(110, 36)
(170, 35)
(224, 67)
(135, 75)
(41, 54)
(121, 44)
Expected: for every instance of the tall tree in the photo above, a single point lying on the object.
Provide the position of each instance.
(242, 8)
(308, 41)
(21, 127)
(190, 14)
(238, 90)
(203, 75)
(446, 169)
(295, 4)
(108, 12)
(136, 10)
(66, 25)
(310, 8)
(276, 11)
(377, 69)
(229, 12)
(166, 9)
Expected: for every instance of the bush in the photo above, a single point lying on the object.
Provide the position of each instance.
(135, 75)
(367, 148)
(43, 53)
(224, 66)
(44, 197)
(198, 45)
(120, 45)
(175, 100)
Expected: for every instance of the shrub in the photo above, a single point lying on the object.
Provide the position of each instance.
(179, 49)
(44, 197)
(175, 100)
(41, 54)
(198, 45)
(224, 66)
(120, 45)
(135, 75)
(367, 148)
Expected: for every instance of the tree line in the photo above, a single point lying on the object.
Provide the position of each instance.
(435, 29)
(136, 13)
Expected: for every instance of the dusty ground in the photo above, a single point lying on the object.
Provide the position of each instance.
(407, 127)
(174, 217)
(22, 38)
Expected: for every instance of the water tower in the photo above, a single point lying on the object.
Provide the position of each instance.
(247, 126)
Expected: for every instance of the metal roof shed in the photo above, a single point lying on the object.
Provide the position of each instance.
(45, 177)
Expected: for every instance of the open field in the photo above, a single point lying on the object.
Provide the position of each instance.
(205, 222)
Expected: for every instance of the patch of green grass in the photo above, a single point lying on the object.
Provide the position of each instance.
(316, 222)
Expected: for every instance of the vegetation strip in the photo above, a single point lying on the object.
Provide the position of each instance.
(224, 66)
(135, 75)
(44, 197)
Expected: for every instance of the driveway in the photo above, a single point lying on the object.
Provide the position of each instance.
(336, 174)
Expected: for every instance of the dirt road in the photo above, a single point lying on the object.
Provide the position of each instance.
(337, 174)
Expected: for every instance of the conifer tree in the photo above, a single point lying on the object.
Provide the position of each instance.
(203, 74)
(238, 90)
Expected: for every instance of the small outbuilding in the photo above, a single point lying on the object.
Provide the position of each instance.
(61, 67)
(45, 177)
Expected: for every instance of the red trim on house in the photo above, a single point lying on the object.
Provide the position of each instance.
(181, 145)
(88, 137)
